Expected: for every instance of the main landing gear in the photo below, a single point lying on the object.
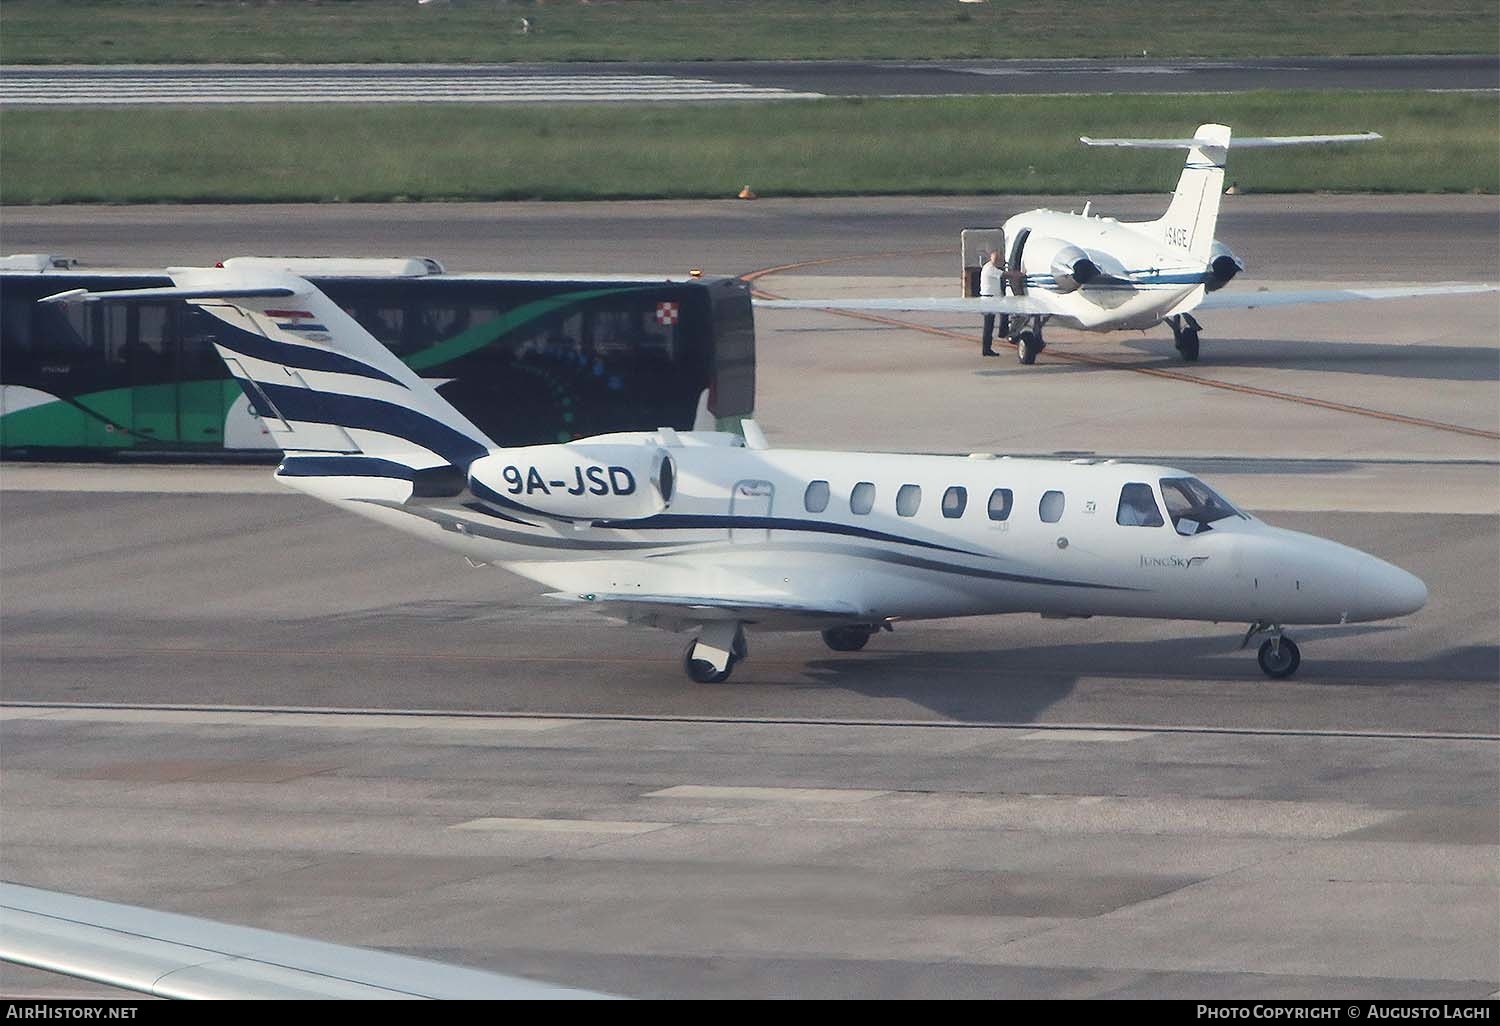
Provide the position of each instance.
(1185, 336)
(1279, 655)
(849, 639)
(1029, 340)
(712, 656)
(720, 646)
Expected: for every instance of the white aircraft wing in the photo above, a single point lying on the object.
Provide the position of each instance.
(175, 956)
(1240, 142)
(1251, 300)
(689, 609)
(930, 304)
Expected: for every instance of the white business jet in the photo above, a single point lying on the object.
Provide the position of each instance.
(1095, 273)
(709, 532)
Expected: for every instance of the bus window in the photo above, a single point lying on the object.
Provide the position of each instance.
(1050, 509)
(151, 357)
(815, 499)
(385, 323)
(438, 323)
(955, 499)
(1138, 507)
(908, 499)
(862, 499)
(1000, 503)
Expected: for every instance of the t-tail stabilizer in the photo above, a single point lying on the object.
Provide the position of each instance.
(1193, 214)
(333, 398)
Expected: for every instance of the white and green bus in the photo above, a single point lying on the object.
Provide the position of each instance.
(527, 358)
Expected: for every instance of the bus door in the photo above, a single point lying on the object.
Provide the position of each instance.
(151, 356)
(204, 389)
(112, 425)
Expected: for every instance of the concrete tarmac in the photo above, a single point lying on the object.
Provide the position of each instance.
(998, 806)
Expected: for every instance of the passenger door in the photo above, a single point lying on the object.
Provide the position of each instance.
(751, 499)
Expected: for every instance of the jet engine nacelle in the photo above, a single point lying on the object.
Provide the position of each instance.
(1222, 266)
(577, 481)
(1072, 268)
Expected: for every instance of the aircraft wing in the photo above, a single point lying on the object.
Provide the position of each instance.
(1251, 300)
(930, 304)
(1240, 142)
(175, 956)
(672, 610)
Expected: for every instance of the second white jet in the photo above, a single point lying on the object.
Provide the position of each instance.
(1096, 273)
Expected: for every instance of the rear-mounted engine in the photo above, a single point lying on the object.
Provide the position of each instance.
(577, 481)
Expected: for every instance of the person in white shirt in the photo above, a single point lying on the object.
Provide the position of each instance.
(992, 284)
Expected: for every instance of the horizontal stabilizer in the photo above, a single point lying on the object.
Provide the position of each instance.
(148, 295)
(1251, 300)
(1240, 142)
(932, 304)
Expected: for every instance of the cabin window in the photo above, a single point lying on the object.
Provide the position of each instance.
(815, 499)
(955, 500)
(1138, 507)
(1050, 509)
(908, 499)
(1000, 503)
(862, 499)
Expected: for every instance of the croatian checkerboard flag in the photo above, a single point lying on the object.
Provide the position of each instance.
(666, 313)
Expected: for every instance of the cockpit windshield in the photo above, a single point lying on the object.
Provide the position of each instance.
(1193, 505)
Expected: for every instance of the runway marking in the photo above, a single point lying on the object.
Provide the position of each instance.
(1100, 361)
(21, 710)
(709, 792)
(500, 824)
(119, 86)
(1106, 736)
(351, 721)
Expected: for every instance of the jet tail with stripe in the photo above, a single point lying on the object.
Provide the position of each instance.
(324, 388)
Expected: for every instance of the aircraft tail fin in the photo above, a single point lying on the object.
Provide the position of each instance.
(320, 383)
(1193, 214)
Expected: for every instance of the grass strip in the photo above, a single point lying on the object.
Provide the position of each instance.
(948, 145)
(260, 31)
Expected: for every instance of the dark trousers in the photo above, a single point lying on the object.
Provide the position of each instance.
(989, 329)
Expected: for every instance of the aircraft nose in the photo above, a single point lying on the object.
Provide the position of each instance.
(1387, 591)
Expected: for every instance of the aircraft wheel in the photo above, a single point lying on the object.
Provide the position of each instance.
(1278, 661)
(846, 639)
(1027, 346)
(701, 671)
(1187, 345)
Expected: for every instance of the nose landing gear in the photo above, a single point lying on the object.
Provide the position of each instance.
(1279, 655)
(1029, 341)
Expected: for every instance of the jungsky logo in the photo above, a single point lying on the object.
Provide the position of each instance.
(1185, 562)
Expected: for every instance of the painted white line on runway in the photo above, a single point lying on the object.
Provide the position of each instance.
(48, 89)
(1105, 736)
(23, 710)
(706, 792)
(325, 721)
(501, 824)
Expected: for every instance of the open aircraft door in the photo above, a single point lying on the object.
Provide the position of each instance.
(976, 244)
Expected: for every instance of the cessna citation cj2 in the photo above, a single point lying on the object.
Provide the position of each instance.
(709, 532)
(1099, 274)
